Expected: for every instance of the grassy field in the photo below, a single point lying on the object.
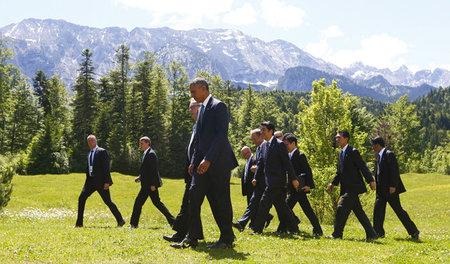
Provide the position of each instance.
(37, 226)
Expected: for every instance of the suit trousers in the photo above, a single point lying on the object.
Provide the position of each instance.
(303, 201)
(350, 202)
(379, 213)
(142, 196)
(181, 224)
(252, 208)
(217, 189)
(274, 195)
(89, 189)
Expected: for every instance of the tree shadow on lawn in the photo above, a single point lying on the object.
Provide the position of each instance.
(227, 253)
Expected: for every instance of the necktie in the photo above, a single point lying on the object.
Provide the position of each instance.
(341, 160)
(91, 158)
(246, 169)
(378, 163)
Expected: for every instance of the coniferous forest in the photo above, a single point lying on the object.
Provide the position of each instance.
(43, 129)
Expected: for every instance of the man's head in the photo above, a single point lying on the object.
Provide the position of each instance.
(193, 108)
(291, 141)
(342, 138)
(92, 141)
(199, 89)
(144, 143)
(377, 144)
(267, 129)
(278, 135)
(257, 137)
(246, 152)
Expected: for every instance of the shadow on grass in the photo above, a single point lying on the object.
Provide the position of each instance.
(418, 241)
(227, 253)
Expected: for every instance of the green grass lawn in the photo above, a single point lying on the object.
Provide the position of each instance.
(37, 226)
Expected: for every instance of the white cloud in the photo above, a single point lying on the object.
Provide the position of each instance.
(244, 15)
(381, 51)
(181, 12)
(321, 48)
(278, 14)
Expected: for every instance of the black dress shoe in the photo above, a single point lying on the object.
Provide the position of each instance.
(173, 238)
(415, 236)
(238, 226)
(76, 226)
(371, 238)
(133, 227)
(186, 243)
(269, 218)
(220, 245)
(334, 237)
(121, 223)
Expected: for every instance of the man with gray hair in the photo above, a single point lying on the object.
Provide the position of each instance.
(150, 182)
(98, 178)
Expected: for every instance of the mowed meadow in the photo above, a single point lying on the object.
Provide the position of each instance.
(37, 226)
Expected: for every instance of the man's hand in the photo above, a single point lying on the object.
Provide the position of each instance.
(330, 187)
(191, 170)
(373, 185)
(106, 186)
(306, 188)
(152, 188)
(254, 182)
(295, 183)
(391, 190)
(137, 179)
(203, 167)
(253, 168)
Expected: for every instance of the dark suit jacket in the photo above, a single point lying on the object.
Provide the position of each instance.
(211, 139)
(350, 175)
(149, 170)
(189, 154)
(100, 169)
(246, 182)
(389, 175)
(301, 165)
(274, 162)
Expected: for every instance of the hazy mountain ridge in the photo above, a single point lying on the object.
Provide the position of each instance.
(54, 46)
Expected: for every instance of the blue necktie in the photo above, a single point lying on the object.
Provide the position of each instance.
(200, 115)
(91, 158)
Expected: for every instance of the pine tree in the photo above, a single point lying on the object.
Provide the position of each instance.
(180, 122)
(6, 72)
(84, 110)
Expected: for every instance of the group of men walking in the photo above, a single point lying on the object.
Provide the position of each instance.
(210, 159)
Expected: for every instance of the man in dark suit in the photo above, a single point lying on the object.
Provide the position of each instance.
(258, 189)
(211, 166)
(181, 223)
(274, 163)
(150, 182)
(389, 186)
(350, 167)
(302, 169)
(247, 178)
(98, 178)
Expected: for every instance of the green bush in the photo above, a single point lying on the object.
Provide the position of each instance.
(7, 172)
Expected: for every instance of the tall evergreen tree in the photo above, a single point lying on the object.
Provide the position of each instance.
(84, 110)
(6, 72)
(180, 122)
(117, 142)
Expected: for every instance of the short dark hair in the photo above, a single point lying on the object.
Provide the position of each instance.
(199, 82)
(290, 137)
(378, 140)
(344, 133)
(269, 125)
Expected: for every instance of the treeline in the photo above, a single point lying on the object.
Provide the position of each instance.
(45, 129)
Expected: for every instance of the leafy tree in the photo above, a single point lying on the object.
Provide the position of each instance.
(6, 72)
(7, 171)
(84, 110)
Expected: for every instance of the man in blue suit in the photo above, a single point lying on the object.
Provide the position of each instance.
(98, 178)
(274, 163)
(211, 165)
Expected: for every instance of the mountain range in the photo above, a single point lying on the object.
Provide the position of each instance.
(54, 46)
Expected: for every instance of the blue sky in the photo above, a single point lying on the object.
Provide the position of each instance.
(381, 33)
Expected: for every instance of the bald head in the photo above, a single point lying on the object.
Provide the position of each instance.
(246, 152)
